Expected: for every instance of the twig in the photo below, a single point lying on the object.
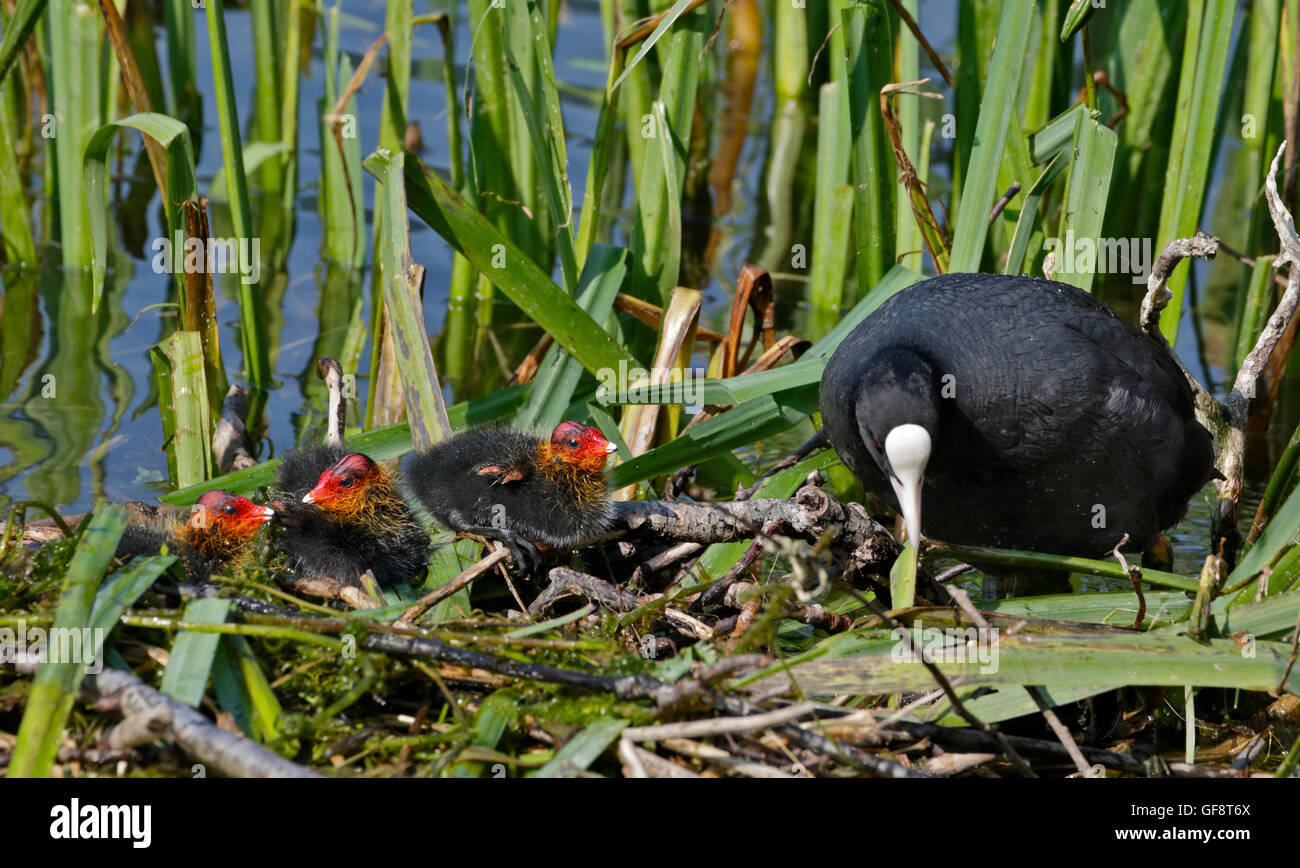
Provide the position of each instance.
(1062, 734)
(641, 763)
(953, 572)
(719, 725)
(1134, 576)
(331, 589)
(665, 558)
(715, 593)
(463, 580)
(565, 581)
(866, 545)
(331, 372)
(638, 686)
(244, 604)
(813, 443)
(907, 19)
(1243, 387)
(942, 680)
(719, 757)
(1295, 650)
(1002, 202)
(902, 732)
(225, 752)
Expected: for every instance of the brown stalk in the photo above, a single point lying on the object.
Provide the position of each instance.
(936, 241)
(135, 91)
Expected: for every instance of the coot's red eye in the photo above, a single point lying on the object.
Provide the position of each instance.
(229, 509)
(573, 443)
(346, 482)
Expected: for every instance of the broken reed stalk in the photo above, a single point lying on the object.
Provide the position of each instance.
(231, 445)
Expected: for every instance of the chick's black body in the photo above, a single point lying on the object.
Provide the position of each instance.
(320, 546)
(387, 540)
(145, 535)
(492, 479)
(1055, 425)
(149, 528)
(300, 469)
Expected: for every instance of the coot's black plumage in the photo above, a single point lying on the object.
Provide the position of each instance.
(353, 519)
(1053, 424)
(517, 487)
(300, 469)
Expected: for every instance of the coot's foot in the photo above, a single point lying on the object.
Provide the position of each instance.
(1160, 556)
(526, 556)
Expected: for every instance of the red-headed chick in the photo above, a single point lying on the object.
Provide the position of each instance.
(353, 520)
(518, 488)
(216, 537)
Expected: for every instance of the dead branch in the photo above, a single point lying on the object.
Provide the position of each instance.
(865, 545)
(232, 448)
(149, 714)
(566, 582)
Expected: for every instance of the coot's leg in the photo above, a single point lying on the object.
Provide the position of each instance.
(527, 557)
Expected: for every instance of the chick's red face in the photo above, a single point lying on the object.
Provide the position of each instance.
(581, 445)
(228, 515)
(341, 488)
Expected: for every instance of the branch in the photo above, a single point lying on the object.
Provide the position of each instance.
(1243, 387)
(809, 515)
(146, 711)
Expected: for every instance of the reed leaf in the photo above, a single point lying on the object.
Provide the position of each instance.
(192, 653)
(54, 689)
(997, 105)
(552, 389)
(252, 313)
(21, 22)
(870, 67)
(421, 390)
(501, 261)
(174, 136)
(1200, 91)
(1084, 209)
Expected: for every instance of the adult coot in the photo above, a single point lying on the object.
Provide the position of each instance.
(1023, 412)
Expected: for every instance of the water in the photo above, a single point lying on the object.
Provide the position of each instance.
(98, 434)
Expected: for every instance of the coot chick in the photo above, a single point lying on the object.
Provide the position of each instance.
(351, 521)
(518, 488)
(216, 536)
(1025, 411)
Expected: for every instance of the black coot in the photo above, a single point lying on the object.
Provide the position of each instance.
(1023, 413)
